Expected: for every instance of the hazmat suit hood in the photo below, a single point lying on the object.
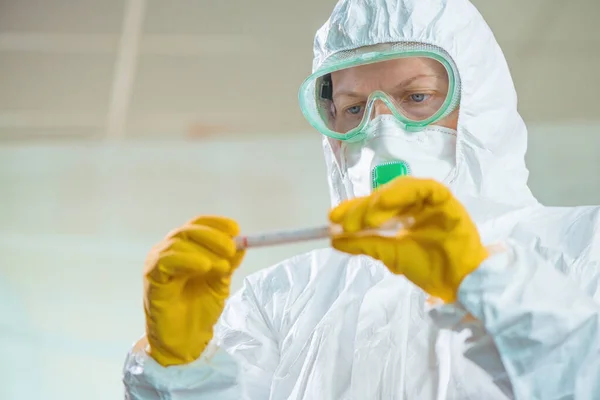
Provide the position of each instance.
(492, 137)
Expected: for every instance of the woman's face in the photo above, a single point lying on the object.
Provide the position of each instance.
(418, 87)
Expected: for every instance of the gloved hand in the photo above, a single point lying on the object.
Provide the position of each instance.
(186, 281)
(436, 249)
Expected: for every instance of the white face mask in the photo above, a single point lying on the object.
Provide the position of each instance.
(428, 153)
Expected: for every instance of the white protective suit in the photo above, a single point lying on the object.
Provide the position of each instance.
(326, 325)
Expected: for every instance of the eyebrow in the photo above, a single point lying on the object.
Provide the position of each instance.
(351, 93)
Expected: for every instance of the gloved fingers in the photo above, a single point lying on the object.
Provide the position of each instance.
(337, 214)
(216, 241)
(223, 224)
(381, 248)
(411, 200)
(409, 195)
(181, 245)
(174, 264)
(442, 218)
(359, 214)
(350, 215)
(414, 202)
(188, 246)
(375, 218)
(398, 253)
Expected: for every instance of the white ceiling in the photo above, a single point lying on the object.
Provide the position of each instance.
(139, 68)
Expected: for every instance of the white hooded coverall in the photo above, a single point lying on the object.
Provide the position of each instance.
(326, 325)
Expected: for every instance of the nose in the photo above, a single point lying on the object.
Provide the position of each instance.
(380, 108)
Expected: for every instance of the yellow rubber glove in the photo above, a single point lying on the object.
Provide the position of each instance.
(186, 281)
(438, 246)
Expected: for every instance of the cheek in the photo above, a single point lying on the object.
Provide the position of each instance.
(451, 121)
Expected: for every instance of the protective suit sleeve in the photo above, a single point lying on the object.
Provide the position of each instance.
(213, 375)
(236, 364)
(536, 331)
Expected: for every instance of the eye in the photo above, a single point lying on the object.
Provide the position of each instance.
(419, 97)
(354, 110)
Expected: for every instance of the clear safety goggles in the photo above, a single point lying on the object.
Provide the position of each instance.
(415, 82)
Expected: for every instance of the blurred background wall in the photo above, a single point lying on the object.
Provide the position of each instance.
(120, 120)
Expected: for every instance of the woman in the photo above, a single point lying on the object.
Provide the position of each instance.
(483, 293)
